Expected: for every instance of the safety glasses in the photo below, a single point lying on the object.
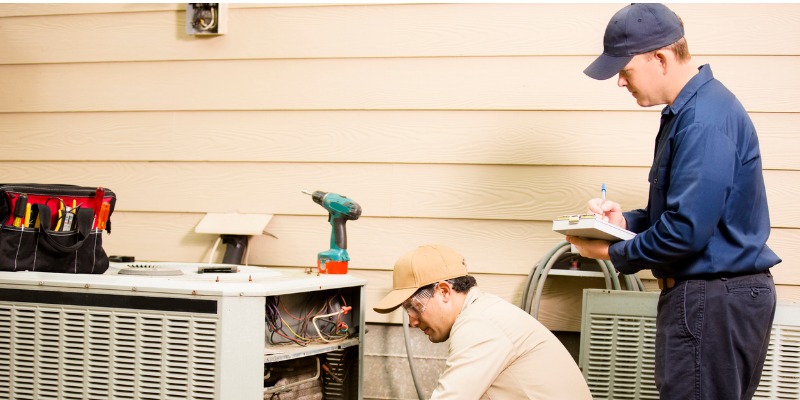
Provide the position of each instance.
(416, 304)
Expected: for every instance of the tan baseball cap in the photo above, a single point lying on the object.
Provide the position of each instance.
(420, 267)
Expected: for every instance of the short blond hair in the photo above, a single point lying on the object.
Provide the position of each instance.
(681, 50)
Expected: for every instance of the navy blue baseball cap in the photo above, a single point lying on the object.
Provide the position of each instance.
(636, 29)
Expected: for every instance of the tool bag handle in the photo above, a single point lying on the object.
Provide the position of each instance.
(83, 219)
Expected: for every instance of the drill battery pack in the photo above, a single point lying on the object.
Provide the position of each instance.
(331, 267)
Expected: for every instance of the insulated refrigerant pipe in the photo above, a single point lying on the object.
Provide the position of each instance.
(534, 285)
(410, 354)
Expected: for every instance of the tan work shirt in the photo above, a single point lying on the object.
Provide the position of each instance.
(500, 352)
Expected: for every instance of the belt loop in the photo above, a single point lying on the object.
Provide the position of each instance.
(666, 283)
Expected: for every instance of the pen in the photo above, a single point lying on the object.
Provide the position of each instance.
(603, 189)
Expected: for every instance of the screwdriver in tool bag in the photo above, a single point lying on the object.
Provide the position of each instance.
(104, 210)
(27, 221)
(60, 219)
(19, 209)
(99, 194)
(69, 216)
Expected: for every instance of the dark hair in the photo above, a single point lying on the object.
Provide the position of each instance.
(461, 284)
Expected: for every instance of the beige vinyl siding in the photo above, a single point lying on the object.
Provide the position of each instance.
(470, 125)
(546, 83)
(140, 32)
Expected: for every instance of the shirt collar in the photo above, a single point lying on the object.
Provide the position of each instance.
(473, 294)
(691, 88)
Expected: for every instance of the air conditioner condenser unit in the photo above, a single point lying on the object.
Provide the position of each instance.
(185, 336)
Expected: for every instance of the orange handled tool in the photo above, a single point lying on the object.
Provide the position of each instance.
(103, 218)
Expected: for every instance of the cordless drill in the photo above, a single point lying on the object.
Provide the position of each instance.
(340, 209)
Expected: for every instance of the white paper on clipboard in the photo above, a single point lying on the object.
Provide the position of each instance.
(590, 226)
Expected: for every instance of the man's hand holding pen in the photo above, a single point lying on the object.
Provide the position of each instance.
(609, 211)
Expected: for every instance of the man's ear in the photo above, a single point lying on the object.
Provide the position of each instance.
(446, 290)
(664, 58)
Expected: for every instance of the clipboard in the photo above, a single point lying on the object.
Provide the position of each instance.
(590, 226)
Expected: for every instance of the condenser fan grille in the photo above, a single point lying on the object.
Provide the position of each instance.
(63, 352)
(618, 347)
(780, 378)
(621, 357)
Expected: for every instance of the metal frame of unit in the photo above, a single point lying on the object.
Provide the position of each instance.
(617, 354)
(192, 337)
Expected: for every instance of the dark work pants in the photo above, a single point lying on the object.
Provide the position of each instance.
(712, 337)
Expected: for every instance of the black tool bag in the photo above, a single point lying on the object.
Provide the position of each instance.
(54, 228)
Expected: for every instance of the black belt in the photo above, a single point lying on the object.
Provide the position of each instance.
(669, 283)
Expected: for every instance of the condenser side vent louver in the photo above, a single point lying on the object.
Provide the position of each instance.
(54, 351)
(617, 352)
(618, 345)
(781, 376)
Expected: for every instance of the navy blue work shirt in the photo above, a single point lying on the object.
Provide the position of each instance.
(707, 211)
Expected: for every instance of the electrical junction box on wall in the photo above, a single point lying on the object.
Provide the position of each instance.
(206, 18)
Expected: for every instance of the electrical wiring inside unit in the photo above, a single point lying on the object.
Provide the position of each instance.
(317, 320)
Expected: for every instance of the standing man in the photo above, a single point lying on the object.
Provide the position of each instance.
(497, 351)
(705, 228)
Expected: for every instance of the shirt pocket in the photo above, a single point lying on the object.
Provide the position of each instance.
(659, 171)
(658, 177)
